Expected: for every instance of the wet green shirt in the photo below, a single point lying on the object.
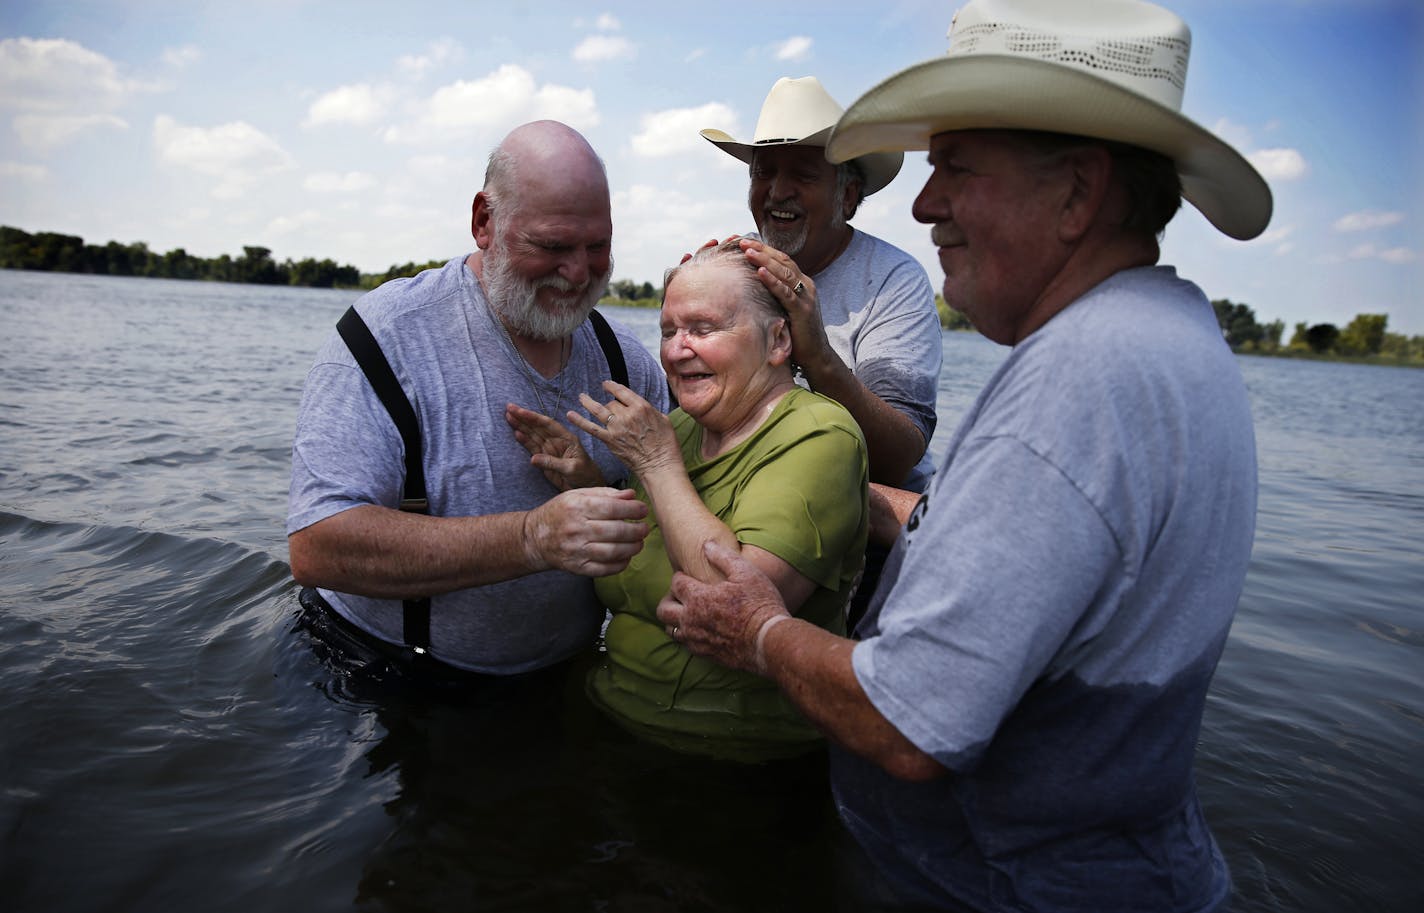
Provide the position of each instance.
(796, 488)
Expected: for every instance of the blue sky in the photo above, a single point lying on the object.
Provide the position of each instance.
(359, 130)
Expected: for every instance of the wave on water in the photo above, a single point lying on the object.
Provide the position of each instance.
(163, 734)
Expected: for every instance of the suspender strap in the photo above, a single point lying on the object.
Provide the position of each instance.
(383, 380)
(608, 341)
(368, 354)
(617, 368)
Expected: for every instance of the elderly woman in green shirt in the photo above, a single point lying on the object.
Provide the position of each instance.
(750, 460)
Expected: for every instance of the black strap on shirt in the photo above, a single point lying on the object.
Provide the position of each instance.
(368, 354)
(416, 616)
(612, 352)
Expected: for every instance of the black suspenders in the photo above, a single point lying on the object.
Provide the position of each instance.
(368, 354)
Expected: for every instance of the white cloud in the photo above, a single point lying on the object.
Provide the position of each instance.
(505, 98)
(1234, 134)
(44, 131)
(441, 170)
(608, 23)
(695, 54)
(181, 57)
(797, 47)
(1278, 238)
(54, 75)
(1367, 220)
(436, 54)
(1396, 255)
(359, 104)
(676, 130)
(1279, 164)
(596, 48)
(658, 224)
(287, 224)
(23, 172)
(237, 153)
(575, 107)
(332, 182)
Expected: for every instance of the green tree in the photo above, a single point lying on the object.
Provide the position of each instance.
(1271, 335)
(256, 265)
(1238, 324)
(1363, 336)
(1402, 348)
(949, 318)
(177, 264)
(1321, 337)
(624, 289)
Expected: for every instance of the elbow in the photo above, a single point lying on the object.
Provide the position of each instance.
(302, 559)
(892, 465)
(913, 766)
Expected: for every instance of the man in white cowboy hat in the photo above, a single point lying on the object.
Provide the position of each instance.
(865, 329)
(1016, 724)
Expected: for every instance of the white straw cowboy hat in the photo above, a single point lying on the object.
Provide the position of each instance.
(1107, 69)
(800, 112)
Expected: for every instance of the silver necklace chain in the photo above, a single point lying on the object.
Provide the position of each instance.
(532, 377)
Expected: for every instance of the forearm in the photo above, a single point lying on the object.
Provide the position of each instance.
(890, 510)
(893, 443)
(387, 554)
(813, 668)
(685, 521)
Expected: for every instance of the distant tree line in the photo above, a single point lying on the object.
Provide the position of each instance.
(1365, 338)
(54, 252)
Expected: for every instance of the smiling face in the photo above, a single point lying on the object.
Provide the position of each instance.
(797, 208)
(721, 359)
(545, 229)
(994, 206)
(542, 275)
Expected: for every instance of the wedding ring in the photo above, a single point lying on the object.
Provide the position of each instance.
(798, 288)
(608, 418)
(675, 629)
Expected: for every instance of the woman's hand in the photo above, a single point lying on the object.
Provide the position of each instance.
(633, 429)
(553, 449)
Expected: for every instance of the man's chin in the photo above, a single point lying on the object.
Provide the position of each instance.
(788, 242)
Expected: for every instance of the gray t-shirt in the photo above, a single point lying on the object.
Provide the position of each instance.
(878, 308)
(459, 372)
(1048, 624)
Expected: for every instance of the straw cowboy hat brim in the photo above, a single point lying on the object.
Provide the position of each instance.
(1007, 91)
(800, 112)
(879, 168)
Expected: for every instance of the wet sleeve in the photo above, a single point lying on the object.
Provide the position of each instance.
(1006, 559)
(899, 350)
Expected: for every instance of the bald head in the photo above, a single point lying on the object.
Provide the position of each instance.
(544, 229)
(541, 162)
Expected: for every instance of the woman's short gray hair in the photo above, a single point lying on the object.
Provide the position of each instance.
(764, 305)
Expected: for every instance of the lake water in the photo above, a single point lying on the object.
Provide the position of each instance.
(170, 741)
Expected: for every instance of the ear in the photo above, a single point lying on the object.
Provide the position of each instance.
(849, 198)
(778, 342)
(1089, 171)
(482, 221)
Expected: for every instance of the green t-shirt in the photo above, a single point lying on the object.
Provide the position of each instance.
(796, 488)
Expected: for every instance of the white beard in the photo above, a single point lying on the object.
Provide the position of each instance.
(788, 241)
(514, 299)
